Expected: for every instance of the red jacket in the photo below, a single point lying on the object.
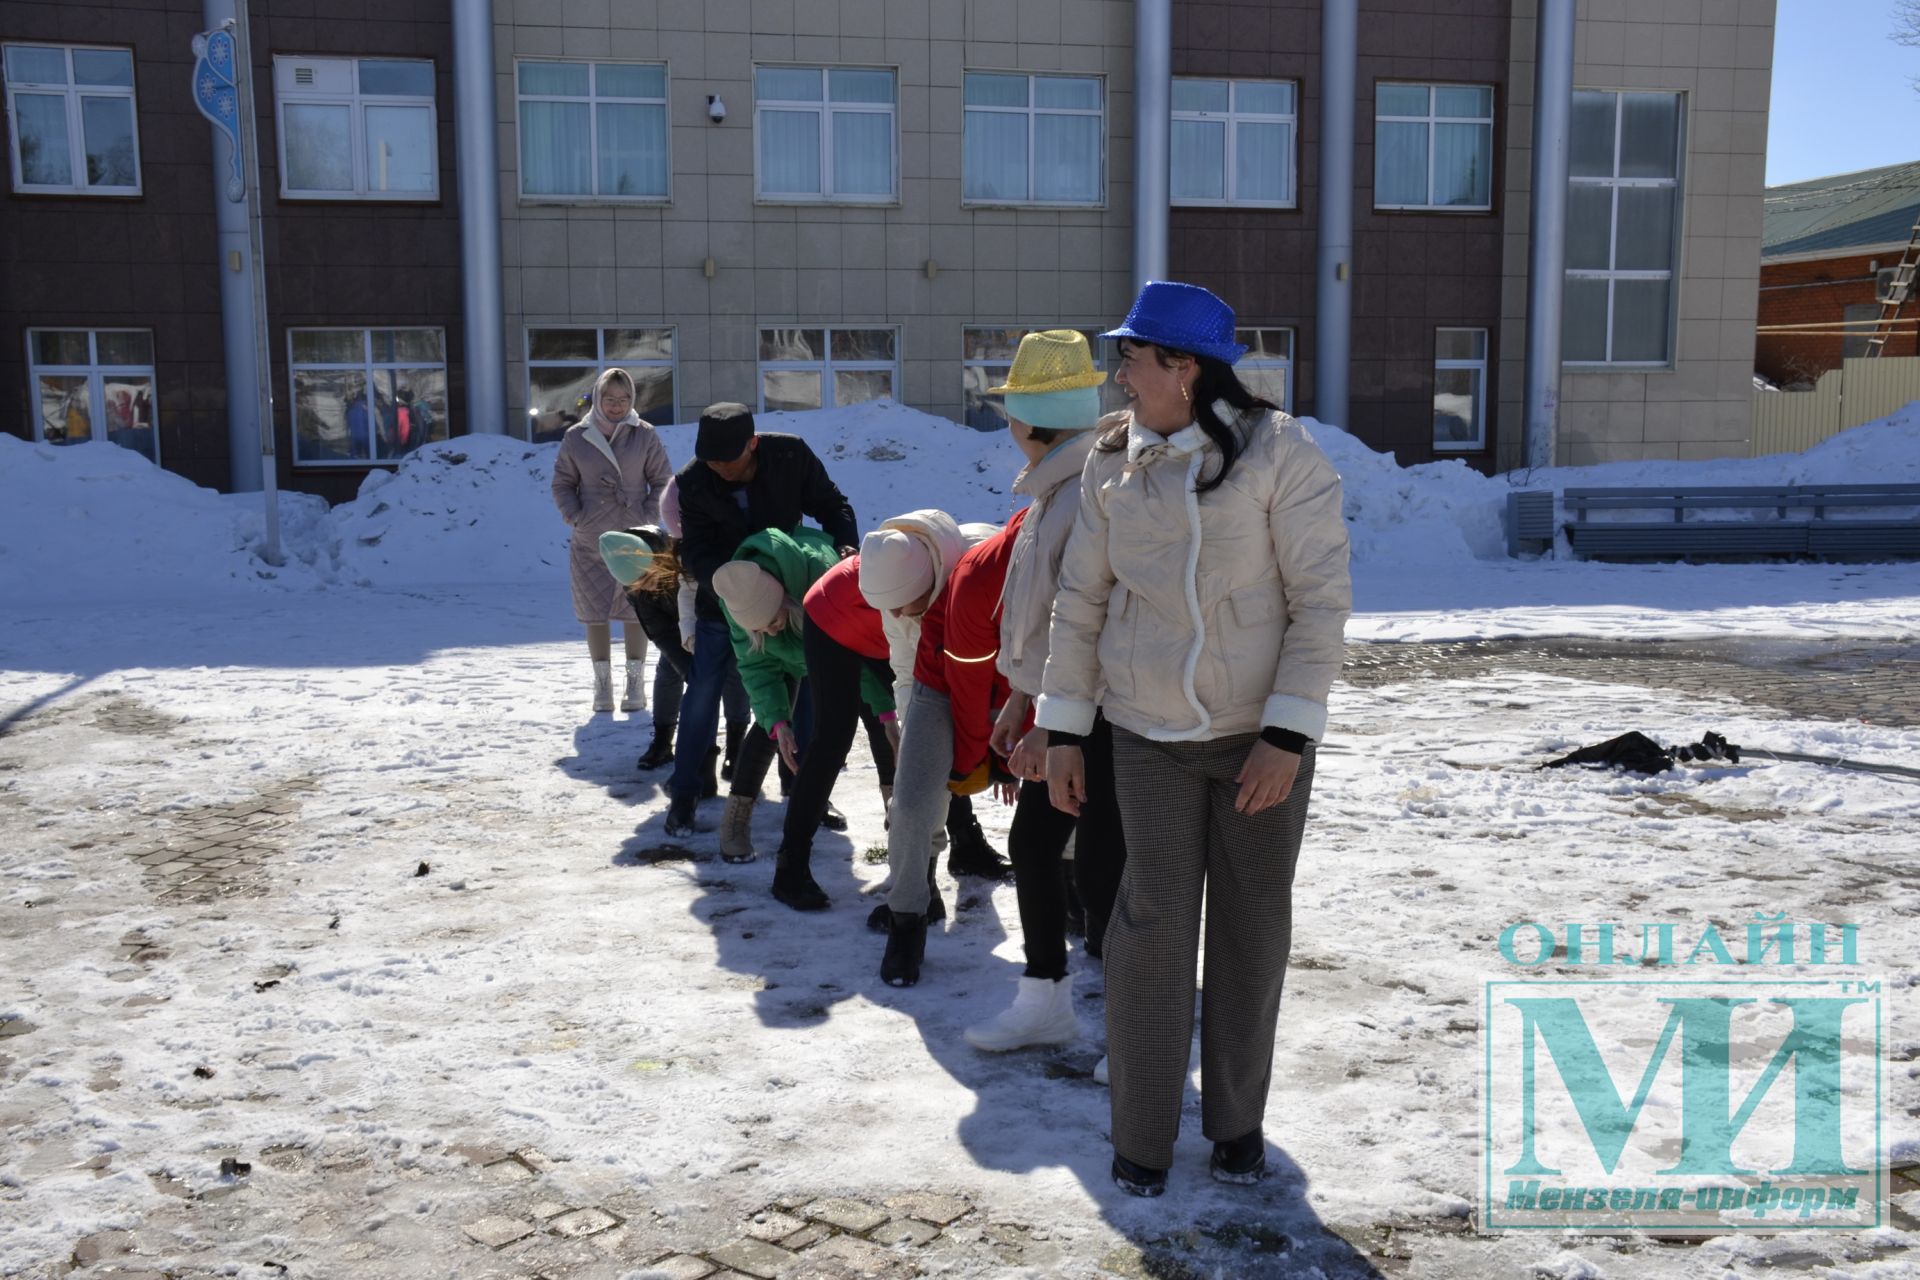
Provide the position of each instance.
(959, 640)
(836, 606)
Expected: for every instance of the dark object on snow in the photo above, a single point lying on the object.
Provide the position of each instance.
(205, 1073)
(234, 1168)
(334, 923)
(1638, 753)
(421, 870)
(268, 985)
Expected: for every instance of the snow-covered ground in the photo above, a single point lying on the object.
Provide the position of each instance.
(669, 1033)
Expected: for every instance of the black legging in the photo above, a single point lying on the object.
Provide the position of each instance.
(1039, 837)
(834, 687)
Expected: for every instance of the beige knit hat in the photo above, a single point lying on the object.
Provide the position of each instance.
(753, 596)
(895, 568)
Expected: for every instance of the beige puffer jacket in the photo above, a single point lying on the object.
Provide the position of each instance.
(1033, 568)
(946, 542)
(1203, 615)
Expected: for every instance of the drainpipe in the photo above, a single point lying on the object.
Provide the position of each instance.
(1547, 224)
(1152, 131)
(477, 147)
(1333, 331)
(239, 324)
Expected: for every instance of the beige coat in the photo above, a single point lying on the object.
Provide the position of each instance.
(946, 541)
(1033, 567)
(602, 483)
(1204, 615)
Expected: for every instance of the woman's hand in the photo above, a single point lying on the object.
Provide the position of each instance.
(1265, 779)
(789, 750)
(1028, 759)
(892, 728)
(1066, 779)
(1006, 726)
(1007, 793)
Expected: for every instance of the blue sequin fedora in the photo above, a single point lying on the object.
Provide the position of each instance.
(1181, 317)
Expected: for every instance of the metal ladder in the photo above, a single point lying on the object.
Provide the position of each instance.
(1898, 290)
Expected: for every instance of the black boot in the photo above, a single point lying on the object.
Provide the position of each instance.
(736, 734)
(709, 784)
(906, 948)
(1137, 1179)
(680, 821)
(833, 819)
(880, 918)
(1243, 1160)
(971, 855)
(1076, 909)
(793, 882)
(660, 750)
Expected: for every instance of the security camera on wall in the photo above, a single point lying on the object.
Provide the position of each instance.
(716, 109)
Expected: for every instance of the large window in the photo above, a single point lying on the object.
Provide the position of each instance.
(1459, 390)
(366, 395)
(1233, 142)
(1433, 146)
(824, 368)
(825, 134)
(93, 384)
(1267, 368)
(1032, 140)
(986, 355)
(72, 117)
(1623, 217)
(596, 130)
(562, 364)
(357, 128)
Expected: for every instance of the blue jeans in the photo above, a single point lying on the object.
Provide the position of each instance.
(700, 706)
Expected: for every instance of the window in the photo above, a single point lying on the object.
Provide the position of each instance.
(1459, 389)
(826, 368)
(986, 354)
(563, 363)
(1623, 216)
(1267, 368)
(1233, 142)
(593, 129)
(73, 122)
(1861, 321)
(357, 129)
(1433, 146)
(366, 395)
(1032, 140)
(84, 377)
(825, 134)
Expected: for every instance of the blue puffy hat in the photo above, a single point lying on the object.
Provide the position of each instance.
(1181, 317)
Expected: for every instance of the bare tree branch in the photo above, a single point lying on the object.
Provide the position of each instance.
(1906, 23)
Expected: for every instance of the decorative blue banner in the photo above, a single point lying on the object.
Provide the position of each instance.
(216, 92)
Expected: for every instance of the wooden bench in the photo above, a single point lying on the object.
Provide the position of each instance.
(1779, 520)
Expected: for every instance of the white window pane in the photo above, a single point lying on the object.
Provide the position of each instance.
(622, 80)
(417, 413)
(126, 400)
(633, 149)
(1471, 101)
(993, 163)
(1592, 134)
(124, 346)
(979, 410)
(1459, 344)
(1402, 100)
(562, 344)
(1641, 315)
(1583, 332)
(996, 91)
(1200, 95)
(329, 346)
(1072, 94)
(557, 397)
(1463, 164)
(1589, 227)
(1400, 164)
(1649, 135)
(1263, 154)
(1456, 407)
(863, 153)
(564, 78)
(45, 156)
(996, 345)
(1268, 344)
(399, 148)
(862, 344)
(332, 420)
(394, 346)
(860, 86)
(653, 393)
(624, 345)
(394, 77)
(554, 144)
(28, 65)
(319, 147)
(108, 123)
(1646, 229)
(797, 345)
(1268, 381)
(787, 84)
(1066, 158)
(790, 152)
(103, 67)
(857, 386)
(790, 389)
(1263, 97)
(1199, 170)
(66, 408)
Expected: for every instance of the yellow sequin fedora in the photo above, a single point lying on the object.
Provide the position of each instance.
(1051, 360)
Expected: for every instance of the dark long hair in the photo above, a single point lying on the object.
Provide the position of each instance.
(1217, 381)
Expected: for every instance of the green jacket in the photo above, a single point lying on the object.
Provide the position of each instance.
(772, 675)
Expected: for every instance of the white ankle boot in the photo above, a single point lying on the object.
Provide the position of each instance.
(635, 698)
(603, 686)
(1041, 1013)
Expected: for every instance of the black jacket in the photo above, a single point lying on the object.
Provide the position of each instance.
(790, 484)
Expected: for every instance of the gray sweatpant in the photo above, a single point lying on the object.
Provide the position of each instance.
(920, 796)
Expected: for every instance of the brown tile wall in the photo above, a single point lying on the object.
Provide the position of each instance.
(1797, 293)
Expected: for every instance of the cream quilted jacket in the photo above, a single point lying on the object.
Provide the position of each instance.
(1033, 570)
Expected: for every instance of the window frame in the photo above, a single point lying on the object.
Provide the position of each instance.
(72, 92)
(824, 109)
(1612, 275)
(1256, 361)
(1432, 120)
(356, 103)
(593, 99)
(1032, 112)
(826, 365)
(671, 364)
(96, 375)
(1479, 366)
(1232, 117)
(366, 367)
(1095, 346)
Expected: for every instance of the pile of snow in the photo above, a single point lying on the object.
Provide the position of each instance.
(1437, 512)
